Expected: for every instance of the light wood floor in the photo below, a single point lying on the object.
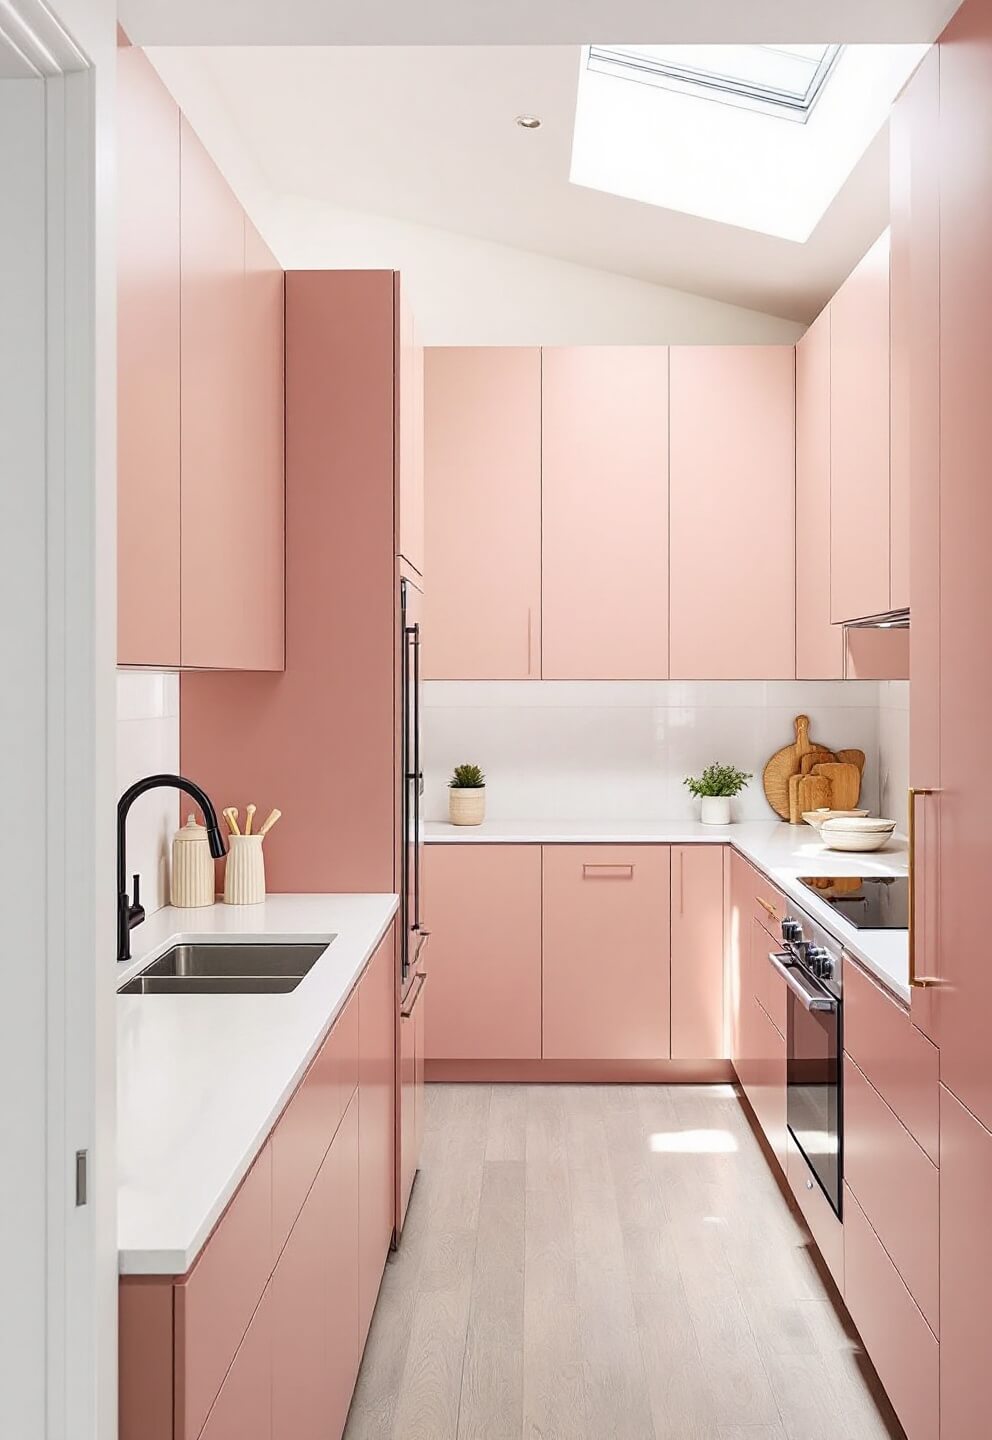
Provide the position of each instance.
(569, 1273)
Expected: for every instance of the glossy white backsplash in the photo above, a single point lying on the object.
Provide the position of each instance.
(620, 749)
(147, 744)
(893, 748)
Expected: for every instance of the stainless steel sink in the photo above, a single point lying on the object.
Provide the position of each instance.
(207, 968)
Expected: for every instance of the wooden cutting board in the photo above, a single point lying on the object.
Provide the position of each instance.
(817, 756)
(844, 780)
(784, 764)
(851, 757)
(815, 791)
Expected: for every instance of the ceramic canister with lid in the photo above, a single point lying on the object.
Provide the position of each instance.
(192, 867)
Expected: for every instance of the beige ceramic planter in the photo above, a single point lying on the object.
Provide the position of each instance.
(467, 807)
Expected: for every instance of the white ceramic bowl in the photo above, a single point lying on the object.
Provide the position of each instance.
(856, 834)
(817, 817)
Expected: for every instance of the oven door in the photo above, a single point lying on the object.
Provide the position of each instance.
(813, 1070)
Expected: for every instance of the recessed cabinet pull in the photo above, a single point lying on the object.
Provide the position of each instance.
(607, 872)
(917, 982)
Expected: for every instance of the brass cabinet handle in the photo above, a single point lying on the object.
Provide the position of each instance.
(767, 906)
(416, 991)
(592, 871)
(917, 982)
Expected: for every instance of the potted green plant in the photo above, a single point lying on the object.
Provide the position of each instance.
(467, 795)
(715, 788)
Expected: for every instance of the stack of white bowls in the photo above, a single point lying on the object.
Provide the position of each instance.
(856, 833)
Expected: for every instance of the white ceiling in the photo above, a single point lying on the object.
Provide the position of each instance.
(526, 22)
(427, 134)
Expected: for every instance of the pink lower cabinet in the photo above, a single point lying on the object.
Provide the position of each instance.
(376, 1125)
(606, 952)
(761, 1071)
(244, 1408)
(413, 1012)
(903, 1348)
(698, 953)
(485, 976)
(965, 1271)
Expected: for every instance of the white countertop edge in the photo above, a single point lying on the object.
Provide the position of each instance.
(176, 1259)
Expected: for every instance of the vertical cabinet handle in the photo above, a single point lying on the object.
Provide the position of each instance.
(917, 982)
(530, 641)
(681, 882)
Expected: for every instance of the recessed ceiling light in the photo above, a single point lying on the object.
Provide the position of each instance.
(529, 122)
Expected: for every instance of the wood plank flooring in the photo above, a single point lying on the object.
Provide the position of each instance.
(606, 1263)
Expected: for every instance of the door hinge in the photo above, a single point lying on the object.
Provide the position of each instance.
(81, 1177)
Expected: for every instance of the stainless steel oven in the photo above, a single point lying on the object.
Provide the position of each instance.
(810, 965)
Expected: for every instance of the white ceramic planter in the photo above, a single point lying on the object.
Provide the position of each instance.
(467, 806)
(715, 809)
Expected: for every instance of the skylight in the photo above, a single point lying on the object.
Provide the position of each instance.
(647, 127)
(782, 80)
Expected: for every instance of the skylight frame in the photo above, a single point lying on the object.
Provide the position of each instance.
(624, 62)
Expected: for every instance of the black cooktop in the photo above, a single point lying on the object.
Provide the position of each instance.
(875, 902)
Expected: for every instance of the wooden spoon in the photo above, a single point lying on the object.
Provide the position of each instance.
(269, 821)
(249, 816)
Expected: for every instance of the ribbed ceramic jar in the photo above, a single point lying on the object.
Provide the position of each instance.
(192, 867)
(244, 878)
(467, 806)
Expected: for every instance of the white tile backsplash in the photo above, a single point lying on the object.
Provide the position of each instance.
(147, 743)
(620, 749)
(893, 748)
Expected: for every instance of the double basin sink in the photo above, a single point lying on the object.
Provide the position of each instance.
(208, 968)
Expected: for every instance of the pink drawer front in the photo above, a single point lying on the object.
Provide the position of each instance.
(214, 1303)
(897, 1187)
(770, 905)
(818, 1213)
(766, 983)
(897, 1058)
(307, 1125)
(902, 1347)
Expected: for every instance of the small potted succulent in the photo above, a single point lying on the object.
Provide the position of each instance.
(715, 788)
(467, 795)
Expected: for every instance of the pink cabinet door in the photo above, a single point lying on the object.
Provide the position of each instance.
(148, 366)
(482, 513)
(411, 438)
(697, 953)
(243, 1409)
(411, 1083)
(315, 1301)
(819, 645)
(485, 977)
(859, 439)
(376, 1125)
(732, 473)
(214, 558)
(761, 1069)
(965, 1270)
(738, 927)
(961, 1005)
(261, 520)
(606, 952)
(605, 513)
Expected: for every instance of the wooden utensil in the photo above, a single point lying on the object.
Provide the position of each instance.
(814, 792)
(249, 816)
(845, 785)
(269, 821)
(231, 816)
(852, 757)
(785, 763)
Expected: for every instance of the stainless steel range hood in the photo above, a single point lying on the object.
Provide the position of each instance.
(891, 620)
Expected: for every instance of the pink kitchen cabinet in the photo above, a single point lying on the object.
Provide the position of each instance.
(605, 513)
(482, 513)
(148, 606)
(819, 644)
(965, 1270)
(376, 1124)
(761, 1063)
(732, 481)
(485, 993)
(410, 1079)
(697, 997)
(243, 1408)
(410, 421)
(859, 440)
(606, 982)
(740, 900)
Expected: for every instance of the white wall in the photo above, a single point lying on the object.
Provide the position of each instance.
(620, 750)
(147, 744)
(893, 748)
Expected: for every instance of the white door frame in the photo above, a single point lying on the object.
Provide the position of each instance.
(57, 599)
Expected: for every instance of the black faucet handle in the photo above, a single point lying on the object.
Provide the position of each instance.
(136, 891)
(135, 911)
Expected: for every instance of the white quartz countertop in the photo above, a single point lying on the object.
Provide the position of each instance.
(783, 852)
(201, 1079)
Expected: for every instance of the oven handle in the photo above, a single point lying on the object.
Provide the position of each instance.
(809, 999)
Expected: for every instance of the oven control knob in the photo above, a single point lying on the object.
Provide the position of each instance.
(791, 930)
(820, 962)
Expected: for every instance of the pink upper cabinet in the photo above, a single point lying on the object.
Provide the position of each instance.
(819, 645)
(605, 513)
(697, 953)
(964, 1001)
(485, 994)
(606, 952)
(148, 366)
(410, 450)
(859, 439)
(482, 549)
(732, 473)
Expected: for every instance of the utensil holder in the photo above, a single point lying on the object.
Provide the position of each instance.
(244, 878)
